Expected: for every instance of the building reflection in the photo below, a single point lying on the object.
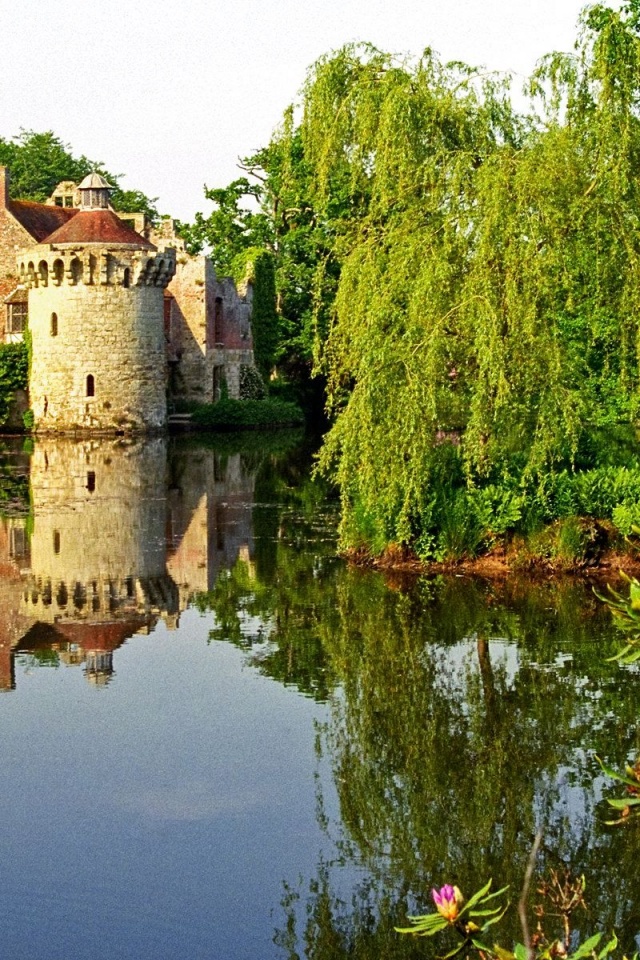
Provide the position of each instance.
(120, 535)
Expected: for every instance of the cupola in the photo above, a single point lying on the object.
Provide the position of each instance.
(94, 192)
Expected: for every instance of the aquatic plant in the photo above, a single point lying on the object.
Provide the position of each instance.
(563, 893)
(628, 806)
(469, 921)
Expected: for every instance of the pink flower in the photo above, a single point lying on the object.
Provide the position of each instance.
(448, 901)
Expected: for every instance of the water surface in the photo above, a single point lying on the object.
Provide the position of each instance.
(220, 741)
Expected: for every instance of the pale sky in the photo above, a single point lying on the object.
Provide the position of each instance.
(172, 92)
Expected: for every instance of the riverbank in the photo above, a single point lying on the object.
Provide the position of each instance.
(514, 558)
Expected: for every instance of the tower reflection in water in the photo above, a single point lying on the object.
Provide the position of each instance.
(119, 536)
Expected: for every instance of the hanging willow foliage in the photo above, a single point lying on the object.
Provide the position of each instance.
(488, 303)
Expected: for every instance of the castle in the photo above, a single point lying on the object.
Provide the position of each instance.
(124, 323)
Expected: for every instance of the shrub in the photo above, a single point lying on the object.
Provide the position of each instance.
(231, 414)
(14, 374)
(251, 384)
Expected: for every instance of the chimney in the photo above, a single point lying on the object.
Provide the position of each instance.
(4, 187)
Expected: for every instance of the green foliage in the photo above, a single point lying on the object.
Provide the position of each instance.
(626, 614)
(230, 230)
(14, 372)
(264, 317)
(287, 224)
(40, 161)
(230, 414)
(489, 270)
(628, 807)
(251, 384)
(469, 921)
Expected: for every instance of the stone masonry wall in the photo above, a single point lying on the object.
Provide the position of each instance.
(188, 326)
(13, 235)
(105, 330)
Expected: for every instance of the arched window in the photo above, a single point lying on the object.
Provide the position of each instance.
(56, 541)
(91, 386)
(54, 324)
(77, 270)
(126, 278)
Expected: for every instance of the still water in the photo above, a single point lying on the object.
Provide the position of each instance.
(218, 741)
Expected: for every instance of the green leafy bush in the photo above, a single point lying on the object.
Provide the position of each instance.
(231, 414)
(14, 375)
(251, 384)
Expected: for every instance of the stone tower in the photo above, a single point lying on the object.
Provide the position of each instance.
(96, 320)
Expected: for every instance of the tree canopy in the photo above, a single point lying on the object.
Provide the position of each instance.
(463, 275)
(40, 161)
(488, 295)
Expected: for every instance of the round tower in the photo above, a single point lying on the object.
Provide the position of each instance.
(96, 322)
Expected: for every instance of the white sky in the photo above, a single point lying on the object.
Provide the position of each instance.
(172, 92)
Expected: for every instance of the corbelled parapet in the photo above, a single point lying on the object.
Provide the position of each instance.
(99, 598)
(45, 266)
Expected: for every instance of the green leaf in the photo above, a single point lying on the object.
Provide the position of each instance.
(503, 954)
(608, 948)
(622, 804)
(587, 947)
(493, 920)
(615, 775)
(477, 897)
(521, 952)
(425, 926)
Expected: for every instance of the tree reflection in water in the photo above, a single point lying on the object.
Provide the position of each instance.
(468, 717)
(465, 715)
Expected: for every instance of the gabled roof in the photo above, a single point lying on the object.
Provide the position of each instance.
(98, 226)
(18, 295)
(40, 219)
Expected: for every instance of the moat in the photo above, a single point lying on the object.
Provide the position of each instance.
(221, 741)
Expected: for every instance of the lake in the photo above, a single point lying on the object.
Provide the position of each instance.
(221, 741)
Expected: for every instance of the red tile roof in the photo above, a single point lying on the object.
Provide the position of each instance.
(40, 219)
(7, 286)
(100, 636)
(97, 226)
(18, 295)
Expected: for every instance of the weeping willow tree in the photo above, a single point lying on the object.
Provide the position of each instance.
(486, 316)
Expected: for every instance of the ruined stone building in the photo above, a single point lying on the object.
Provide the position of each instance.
(124, 323)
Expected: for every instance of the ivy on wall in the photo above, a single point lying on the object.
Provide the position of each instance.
(14, 374)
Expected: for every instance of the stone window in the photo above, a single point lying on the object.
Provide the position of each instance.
(18, 543)
(126, 279)
(77, 270)
(54, 324)
(56, 541)
(91, 481)
(91, 386)
(16, 317)
(59, 201)
(68, 201)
